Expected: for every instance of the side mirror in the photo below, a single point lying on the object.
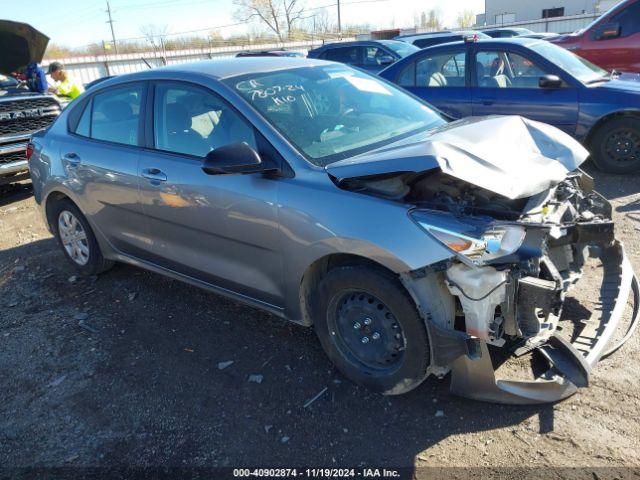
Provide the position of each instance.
(386, 60)
(550, 81)
(609, 30)
(233, 158)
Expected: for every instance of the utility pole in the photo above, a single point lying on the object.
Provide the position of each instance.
(339, 22)
(110, 22)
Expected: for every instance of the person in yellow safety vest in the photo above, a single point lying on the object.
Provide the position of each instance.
(65, 86)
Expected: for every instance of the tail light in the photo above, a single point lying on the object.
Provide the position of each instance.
(29, 150)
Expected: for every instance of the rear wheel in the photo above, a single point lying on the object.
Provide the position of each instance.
(616, 146)
(77, 240)
(371, 330)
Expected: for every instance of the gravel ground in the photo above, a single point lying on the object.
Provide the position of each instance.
(125, 370)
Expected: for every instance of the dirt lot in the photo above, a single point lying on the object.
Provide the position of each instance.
(139, 384)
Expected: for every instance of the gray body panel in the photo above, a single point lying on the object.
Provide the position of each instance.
(248, 236)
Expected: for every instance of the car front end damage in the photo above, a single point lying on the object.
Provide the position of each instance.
(510, 279)
(522, 223)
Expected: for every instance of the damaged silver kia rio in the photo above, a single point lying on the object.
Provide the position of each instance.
(331, 198)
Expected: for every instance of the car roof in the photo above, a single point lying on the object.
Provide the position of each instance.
(226, 67)
(353, 43)
(524, 41)
(507, 29)
(442, 33)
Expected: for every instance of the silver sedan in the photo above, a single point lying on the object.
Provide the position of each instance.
(331, 198)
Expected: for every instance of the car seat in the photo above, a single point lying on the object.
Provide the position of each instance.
(180, 136)
(498, 79)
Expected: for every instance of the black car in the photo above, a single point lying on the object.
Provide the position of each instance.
(270, 53)
(429, 39)
(370, 55)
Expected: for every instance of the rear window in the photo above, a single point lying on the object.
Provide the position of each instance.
(428, 42)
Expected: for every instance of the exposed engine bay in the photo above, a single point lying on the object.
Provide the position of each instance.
(514, 260)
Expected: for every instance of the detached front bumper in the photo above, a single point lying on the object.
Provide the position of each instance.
(569, 361)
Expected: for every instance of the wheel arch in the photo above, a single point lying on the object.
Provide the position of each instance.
(632, 113)
(320, 267)
(53, 197)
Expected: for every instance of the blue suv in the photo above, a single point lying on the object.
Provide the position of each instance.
(535, 79)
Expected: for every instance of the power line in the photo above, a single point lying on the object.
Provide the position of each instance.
(216, 27)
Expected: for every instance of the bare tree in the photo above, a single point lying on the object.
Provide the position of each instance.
(323, 23)
(293, 10)
(154, 34)
(434, 20)
(423, 20)
(278, 15)
(466, 19)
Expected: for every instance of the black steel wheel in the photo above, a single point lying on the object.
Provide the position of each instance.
(366, 331)
(616, 146)
(371, 330)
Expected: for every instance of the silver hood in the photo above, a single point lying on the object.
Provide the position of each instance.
(509, 155)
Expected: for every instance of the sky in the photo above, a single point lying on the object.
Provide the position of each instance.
(75, 23)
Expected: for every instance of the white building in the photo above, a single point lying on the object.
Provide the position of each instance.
(499, 12)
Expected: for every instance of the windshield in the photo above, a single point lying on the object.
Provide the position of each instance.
(401, 48)
(334, 112)
(578, 67)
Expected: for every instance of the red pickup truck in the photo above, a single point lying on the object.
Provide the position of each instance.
(612, 41)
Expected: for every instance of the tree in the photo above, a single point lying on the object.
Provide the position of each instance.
(155, 34)
(434, 21)
(279, 16)
(423, 20)
(466, 19)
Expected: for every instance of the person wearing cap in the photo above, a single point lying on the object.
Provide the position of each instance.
(65, 86)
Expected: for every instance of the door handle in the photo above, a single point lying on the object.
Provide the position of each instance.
(487, 101)
(154, 174)
(72, 158)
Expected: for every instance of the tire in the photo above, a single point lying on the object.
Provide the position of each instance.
(89, 259)
(346, 299)
(615, 146)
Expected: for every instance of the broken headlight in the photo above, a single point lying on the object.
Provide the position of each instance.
(474, 241)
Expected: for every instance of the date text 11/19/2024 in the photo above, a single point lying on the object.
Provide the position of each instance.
(316, 473)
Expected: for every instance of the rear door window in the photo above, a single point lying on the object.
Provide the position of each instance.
(445, 69)
(343, 55)
(84, 124)
(115, 116)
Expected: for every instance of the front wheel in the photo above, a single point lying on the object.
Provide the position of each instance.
(371, 330)
(615, 146)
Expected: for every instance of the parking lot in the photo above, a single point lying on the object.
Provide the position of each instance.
(127, 369)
